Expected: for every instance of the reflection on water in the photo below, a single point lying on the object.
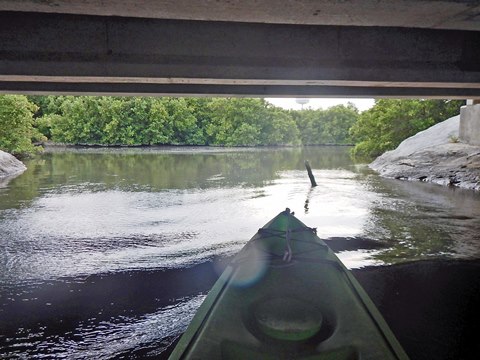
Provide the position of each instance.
(94, 339)
(79, 213)
(424, 221)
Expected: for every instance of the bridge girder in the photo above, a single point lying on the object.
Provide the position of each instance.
(79, 54)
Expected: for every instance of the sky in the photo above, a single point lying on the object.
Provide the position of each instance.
(317, 103)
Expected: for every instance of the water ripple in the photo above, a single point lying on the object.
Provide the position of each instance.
(149, 334)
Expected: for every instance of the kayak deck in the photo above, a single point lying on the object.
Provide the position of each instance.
(287, 296)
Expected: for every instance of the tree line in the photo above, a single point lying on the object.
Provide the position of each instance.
(390, 121)
(25, 120)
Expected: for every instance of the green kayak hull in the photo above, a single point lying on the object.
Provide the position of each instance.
(287, 296)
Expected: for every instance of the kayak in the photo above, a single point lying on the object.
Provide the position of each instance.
(286, 295)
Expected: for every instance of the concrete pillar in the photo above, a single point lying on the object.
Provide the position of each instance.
(470, 122)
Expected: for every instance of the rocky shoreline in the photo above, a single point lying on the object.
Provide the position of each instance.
(10, 167)
(435, 155)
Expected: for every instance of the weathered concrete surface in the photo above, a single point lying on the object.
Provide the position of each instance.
(470, 124)
(443, 14)
(9, 167)
(75, 54)
(432, 156)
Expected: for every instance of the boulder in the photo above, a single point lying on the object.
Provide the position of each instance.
(433, 155)
(10, 165)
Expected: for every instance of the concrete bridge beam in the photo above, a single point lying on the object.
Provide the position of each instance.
(470, 122)
(60, 53)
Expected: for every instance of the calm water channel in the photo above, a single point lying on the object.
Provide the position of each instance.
(108, 253)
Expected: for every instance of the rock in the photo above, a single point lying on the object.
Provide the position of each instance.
(10, 166)
(431, 156)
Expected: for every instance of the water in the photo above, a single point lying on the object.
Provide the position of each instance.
(108, 253)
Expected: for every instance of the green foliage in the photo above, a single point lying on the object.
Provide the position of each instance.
(118, 120)
(389, 122)
(149, 121)
(232, 122)
(182, 123)
(329, 126)
(47, 104)
(338, 121)
(16, 125)
(250, 122)
(44, 124)
(280, 129)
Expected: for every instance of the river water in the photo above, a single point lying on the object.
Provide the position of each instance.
(107, 253)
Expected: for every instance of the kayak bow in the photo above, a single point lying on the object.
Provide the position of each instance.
(287, 296)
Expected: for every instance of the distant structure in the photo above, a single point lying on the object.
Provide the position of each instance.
(302, 101)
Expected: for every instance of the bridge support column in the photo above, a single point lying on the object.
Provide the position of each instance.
(470, 122)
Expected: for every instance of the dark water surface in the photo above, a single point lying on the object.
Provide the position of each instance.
(108, 253)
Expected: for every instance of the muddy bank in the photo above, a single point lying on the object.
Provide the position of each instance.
(435, 155)
(430, 306)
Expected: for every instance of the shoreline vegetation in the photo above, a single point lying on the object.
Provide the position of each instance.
(186, 121)
(160, 146)
(219, 122)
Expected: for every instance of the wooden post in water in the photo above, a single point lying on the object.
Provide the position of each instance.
(310, 174)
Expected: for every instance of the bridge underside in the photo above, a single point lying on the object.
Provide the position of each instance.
(86, 54)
